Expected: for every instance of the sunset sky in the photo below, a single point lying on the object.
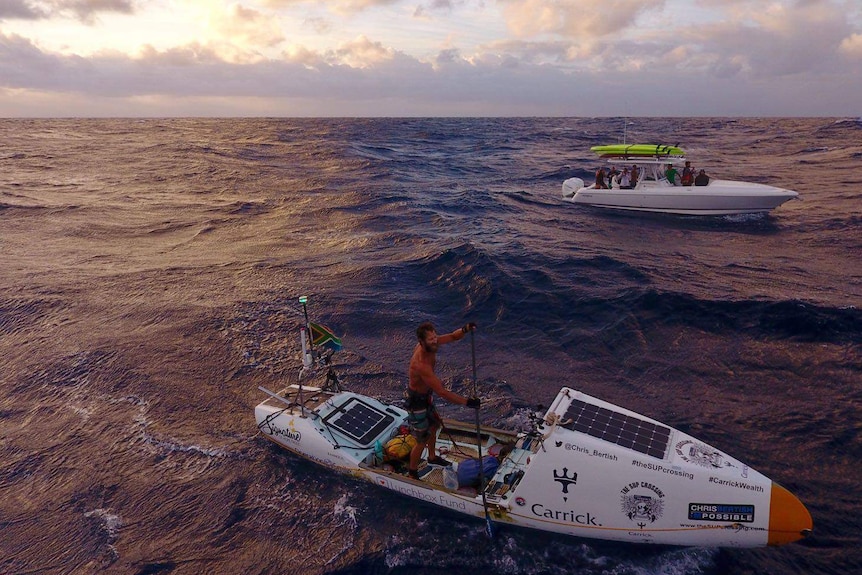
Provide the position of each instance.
(430, 58)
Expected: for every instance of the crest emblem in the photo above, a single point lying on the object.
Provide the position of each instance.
(699, 454)
(642, 503)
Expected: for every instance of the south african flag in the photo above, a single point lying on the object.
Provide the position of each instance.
(322, 336)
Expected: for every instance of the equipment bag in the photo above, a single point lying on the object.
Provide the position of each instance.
(468, 470)
(399, 447)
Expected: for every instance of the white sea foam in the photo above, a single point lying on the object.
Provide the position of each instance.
(342, 509)
(111, 524)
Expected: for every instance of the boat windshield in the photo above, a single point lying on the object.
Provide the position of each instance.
(650, 172)
(653, 172)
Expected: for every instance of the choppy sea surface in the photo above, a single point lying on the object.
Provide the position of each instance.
(150, 275)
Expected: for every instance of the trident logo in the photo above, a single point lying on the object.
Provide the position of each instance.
(565, 480)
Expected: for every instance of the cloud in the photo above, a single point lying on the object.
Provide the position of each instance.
(448, 56)
(566, 58)
(584, 21)
(749, 39)
(86, 10)
(246, 27)
(335, 6)
(83, 10)
(852, 46)
(196, 71)
(320, 25)
(773, 40)
(423, 10)
(20, 10)
(361, 53)
(364, 77)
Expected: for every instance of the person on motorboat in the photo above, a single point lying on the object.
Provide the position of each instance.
(613, 174)
(600, 179)
(625, 180)
(635, 175)
(671, 174)
(423, 417)
(687, 174)
(701, 179)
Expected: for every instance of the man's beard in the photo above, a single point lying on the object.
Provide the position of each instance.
(430, 347)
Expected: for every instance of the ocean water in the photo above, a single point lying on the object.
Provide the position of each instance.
(150, 276)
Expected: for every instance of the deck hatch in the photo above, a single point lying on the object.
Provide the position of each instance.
(359, 421)
(623, 430)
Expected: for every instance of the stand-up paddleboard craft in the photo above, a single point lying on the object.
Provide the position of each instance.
(653, 192)
(585, 467)
(637, 151)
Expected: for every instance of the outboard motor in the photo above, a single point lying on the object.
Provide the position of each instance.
(571, 186)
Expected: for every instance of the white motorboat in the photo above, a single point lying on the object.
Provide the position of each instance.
(654, 193)
(585, 468)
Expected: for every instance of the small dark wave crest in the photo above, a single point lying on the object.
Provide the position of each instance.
(788, 320)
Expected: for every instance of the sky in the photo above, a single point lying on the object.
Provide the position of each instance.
(349, 58)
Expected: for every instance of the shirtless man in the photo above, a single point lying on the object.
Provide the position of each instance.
(600, 179)
(424, 419)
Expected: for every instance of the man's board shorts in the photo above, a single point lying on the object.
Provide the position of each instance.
(421, 414)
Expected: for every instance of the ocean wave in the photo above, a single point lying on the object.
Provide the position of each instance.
(21, 314)
(851, 122)
(781, 320)
(131, 368)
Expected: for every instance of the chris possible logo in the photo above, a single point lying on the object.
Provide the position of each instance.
(565, 480)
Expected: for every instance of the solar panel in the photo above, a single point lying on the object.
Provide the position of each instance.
(359, 421)
(624, 430)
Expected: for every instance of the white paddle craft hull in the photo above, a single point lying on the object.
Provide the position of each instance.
(591, 470)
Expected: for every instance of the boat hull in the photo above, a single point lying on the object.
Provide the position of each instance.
(561, 478)
(722, 197)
